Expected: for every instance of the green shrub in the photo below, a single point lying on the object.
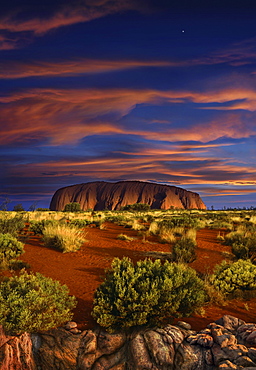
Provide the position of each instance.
(37, 227)
(240, 275)
(18, 208)
(72, 207)
(184, 250)
(137, 207)
(11, 225)
(240, 250)
(147, 293)
(30, 303)
(63, 237)
(10, 248)
(78, 223)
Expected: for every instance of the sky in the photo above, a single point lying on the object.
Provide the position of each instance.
(112, 90)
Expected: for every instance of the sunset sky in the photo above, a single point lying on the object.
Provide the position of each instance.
(152, 90)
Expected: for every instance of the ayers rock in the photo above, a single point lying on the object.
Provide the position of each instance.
(102, 195)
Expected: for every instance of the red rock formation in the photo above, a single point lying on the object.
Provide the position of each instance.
(104, 195)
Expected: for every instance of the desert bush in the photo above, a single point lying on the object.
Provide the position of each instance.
(118, 219)
(232, 277)
(240, 250)
(79, 223)
(37, 227)
(11, 225)
(136, 225)
(18, 208)
(146, 293)
(137, 207)
(10, 248)
(191, 234)
(63, 237)
(153, 228)
(166, 236)
(72, 207)
(125, 237)
(30, 303)
(184, 250)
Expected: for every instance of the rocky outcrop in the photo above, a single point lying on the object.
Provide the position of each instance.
(104, 195)
(227, 343)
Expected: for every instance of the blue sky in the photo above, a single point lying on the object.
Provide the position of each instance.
(115, 90)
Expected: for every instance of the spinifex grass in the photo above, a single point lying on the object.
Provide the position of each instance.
(63, 237)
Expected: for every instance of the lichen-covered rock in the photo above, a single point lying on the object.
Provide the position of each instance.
(168, 348)
(104, 195)
(189, 357)
(230, 323)
(247, 334)
(58, 349)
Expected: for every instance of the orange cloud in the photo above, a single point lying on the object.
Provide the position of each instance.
(68, 15)
(16, 69)
(66, 116)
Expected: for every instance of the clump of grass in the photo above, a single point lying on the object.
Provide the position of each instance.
(252, 219)
(63, 237)
(136, 225)
(215, 296)
(153, 228)
(125, 237)
(178, 230)
(166, 236)
(220, 237)
(184, 250)
(191, 234)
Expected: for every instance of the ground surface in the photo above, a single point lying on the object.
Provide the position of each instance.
(83, 271)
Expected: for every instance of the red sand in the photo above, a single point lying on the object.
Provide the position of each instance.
(83, 271)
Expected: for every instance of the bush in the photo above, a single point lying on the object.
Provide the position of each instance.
(18, 208)
(10, 248)
(72, 207)
(184, 250)
(63, 237)
(138, 207)
(11, 225)
(237, 276)
(147, 293)
(37, 227)
(78, 223)
(30, 303)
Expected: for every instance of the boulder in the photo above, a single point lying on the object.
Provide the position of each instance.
(169, 348)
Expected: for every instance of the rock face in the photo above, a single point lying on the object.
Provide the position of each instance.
(104, 195)
(224, 344)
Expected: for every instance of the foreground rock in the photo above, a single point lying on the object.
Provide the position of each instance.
(104, 195)
(224, 344)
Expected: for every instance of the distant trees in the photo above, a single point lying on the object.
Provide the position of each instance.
(139, 207)
(72, 207)
(18, 208)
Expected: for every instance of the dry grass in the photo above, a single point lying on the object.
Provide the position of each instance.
(63, 237)
(125, 237)
(191, 234)
(167, 236)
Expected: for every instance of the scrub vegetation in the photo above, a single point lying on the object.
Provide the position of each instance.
(147, 292)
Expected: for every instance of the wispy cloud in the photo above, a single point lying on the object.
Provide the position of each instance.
(14, 69)
(14, 25)
(66, 116)
(82, 12)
